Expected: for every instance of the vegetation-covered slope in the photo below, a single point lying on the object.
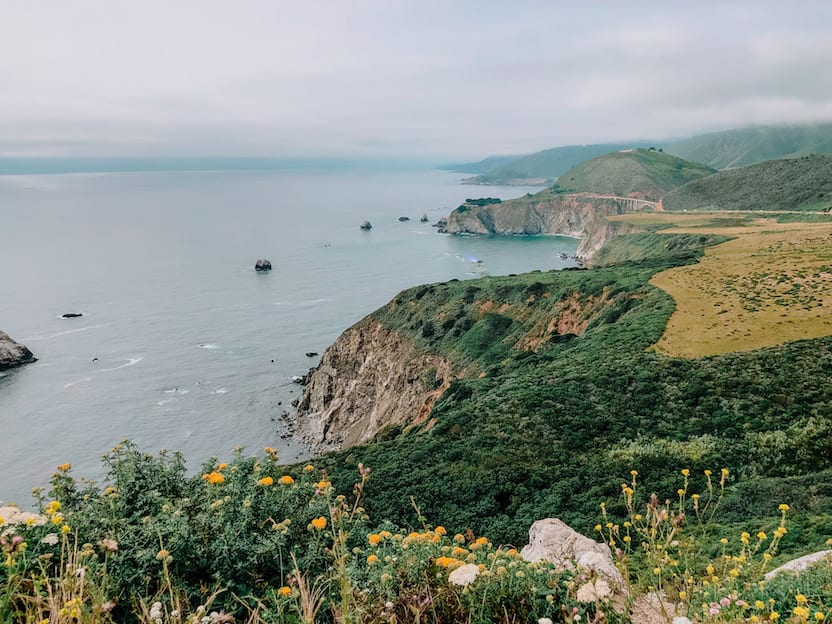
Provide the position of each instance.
(559, 398)
(481, 166)
(644, 173)
(746, 146)
(545, 165)
(803, 183)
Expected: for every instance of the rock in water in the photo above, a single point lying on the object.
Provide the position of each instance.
(72, 315)
(13, 354)
(311, 353)
(404, 218)
(366, 226)
(424, 218)
(263, 265)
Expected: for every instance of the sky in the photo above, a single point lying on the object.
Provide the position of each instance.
(392, 79)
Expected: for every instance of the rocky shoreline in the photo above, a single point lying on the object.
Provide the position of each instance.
(13, 354)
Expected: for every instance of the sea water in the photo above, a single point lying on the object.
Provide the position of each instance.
(182, 345)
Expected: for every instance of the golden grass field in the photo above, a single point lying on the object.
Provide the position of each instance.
(771, 284)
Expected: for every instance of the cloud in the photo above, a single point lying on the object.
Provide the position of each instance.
(399, 78)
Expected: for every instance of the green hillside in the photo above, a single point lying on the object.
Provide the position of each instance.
(481, 166)
(643, 173)
(803, 183)
(547, 164)
(560, 398)
(746, 146)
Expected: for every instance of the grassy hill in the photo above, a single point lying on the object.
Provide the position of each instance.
(803, 183)
(560, 398)
(746, 146)
(547, 164)
(643, 173)
(481, 166)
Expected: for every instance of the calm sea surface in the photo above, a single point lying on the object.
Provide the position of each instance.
(194, 349)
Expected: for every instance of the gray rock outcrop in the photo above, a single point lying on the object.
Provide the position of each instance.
(13, 354)
(554, 541)
(263, 265)
(578, 215)
(796, 566)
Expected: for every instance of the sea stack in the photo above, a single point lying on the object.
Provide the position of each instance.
(13, 354)
(263, 265)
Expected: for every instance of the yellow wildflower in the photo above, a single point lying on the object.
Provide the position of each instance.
(374, 539)
(65, 529)
(372, 559)
(162, 554)
(265, 481)
(222, 466)
(685, 472)
(64, 467)
(800, 598)
(783, 507)
(319, 523)
(285, 480)
(322, 485)
(214, 477)
(284, 592)
(708, 473)
(386, 534)
(819, 616)
(759, 604)
(761, 535)
(440, 530)
(774, 616)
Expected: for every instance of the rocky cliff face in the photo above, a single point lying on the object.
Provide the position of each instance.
(13, 354)
(579, 215)
(369, 379)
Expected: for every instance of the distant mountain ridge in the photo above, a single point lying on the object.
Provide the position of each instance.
(738, 147)
(746, 146)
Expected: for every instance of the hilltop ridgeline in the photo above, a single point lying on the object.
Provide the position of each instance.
(799, 184)
(13, 354)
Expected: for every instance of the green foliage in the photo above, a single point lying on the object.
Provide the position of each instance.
(802, 184)
(639, 172)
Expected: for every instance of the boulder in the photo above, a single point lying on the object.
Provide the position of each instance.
(553, 541)
(13, 354)
(424, 218)
(796, 566)
(72, 315)
(311, 353)
(404, 218)
(263, 265)
(366, 226)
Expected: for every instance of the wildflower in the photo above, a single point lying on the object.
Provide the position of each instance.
(322, 485)
(372, 559)
(308, 468)
(723, 541)
(65, 529)
(464, 575)
(57, 519)
(386, 534)
(685, 472)
(598, 527)
(213, 477)
(64, 467)
(374, 539)
(774, 616)
(440, 530)
(265, 481)
(319, 523)
(683, 595)
(634, 473)
(708, 473)
(459, 538)
(759, 604)
(744, 538)
(627, 539)
(783, 507)
(222, 466)
(801, 612)
(285, 480)
(819, 616)
(761, 535)
(162, 554)
(108, 545)
(779, 532)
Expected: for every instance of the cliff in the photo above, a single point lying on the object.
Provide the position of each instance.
(580, 215)
(13, 354)
(371, 378)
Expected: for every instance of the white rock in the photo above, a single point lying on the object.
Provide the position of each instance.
(552, 540)
(797, 566)
(464, 575)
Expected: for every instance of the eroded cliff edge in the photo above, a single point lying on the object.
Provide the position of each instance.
(369, 379)
(13, 354)
(580, 215)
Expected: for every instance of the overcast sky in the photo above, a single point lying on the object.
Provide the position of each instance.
(420, 78)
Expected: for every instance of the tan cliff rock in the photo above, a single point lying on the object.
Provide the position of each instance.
(580, 215)
(370, 378)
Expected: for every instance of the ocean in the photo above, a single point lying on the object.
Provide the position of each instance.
(182, 345)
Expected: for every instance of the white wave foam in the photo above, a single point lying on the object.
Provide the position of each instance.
(163, 401)
(64, 333)
(72, 383)
(219, 391)
(209, 346)
(129, 362)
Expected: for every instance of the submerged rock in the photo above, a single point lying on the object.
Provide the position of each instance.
(13, 354)
(263, 265)
(72, 315)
